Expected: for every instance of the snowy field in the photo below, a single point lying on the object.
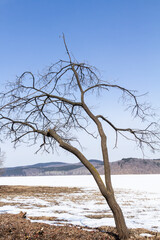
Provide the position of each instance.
(138, 196)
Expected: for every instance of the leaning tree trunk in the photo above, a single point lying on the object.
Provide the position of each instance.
(106, 191)
(122, 229)
(110, 198)
(109, 193)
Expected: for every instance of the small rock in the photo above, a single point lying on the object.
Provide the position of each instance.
(22, 214)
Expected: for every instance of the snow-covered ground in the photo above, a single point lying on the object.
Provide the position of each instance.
(138, 196)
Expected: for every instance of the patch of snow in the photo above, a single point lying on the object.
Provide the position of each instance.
(146, 235)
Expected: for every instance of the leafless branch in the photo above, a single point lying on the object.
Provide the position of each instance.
(56, 99)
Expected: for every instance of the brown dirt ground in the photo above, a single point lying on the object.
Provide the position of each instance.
(19, 227)
(15, 226)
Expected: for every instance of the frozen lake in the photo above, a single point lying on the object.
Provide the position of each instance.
(138, 196)
(149, 183)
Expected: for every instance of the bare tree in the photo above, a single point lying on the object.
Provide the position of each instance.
(53, 105)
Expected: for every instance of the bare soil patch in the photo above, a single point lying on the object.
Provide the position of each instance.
(16, 227)
(27, 190)
(99, 216)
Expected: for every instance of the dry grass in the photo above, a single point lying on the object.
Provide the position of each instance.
(99, 216)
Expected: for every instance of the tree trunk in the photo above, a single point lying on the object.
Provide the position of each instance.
(109, 194)
(122, 229)
(106, 191)
(110, 198)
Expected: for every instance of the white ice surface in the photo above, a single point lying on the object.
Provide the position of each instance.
(138, 196)
(149, 183)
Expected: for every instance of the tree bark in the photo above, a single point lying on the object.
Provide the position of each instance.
(122, 229)
(106, 191)
(109, 196)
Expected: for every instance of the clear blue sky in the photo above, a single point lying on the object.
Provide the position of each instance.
(121, 38)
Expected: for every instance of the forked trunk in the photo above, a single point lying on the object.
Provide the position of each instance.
(107, 192)
(109, 196)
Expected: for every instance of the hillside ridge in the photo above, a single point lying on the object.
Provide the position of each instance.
(124, 166)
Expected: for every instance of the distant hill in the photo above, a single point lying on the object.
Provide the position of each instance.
(124, 166)
(136, 166)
